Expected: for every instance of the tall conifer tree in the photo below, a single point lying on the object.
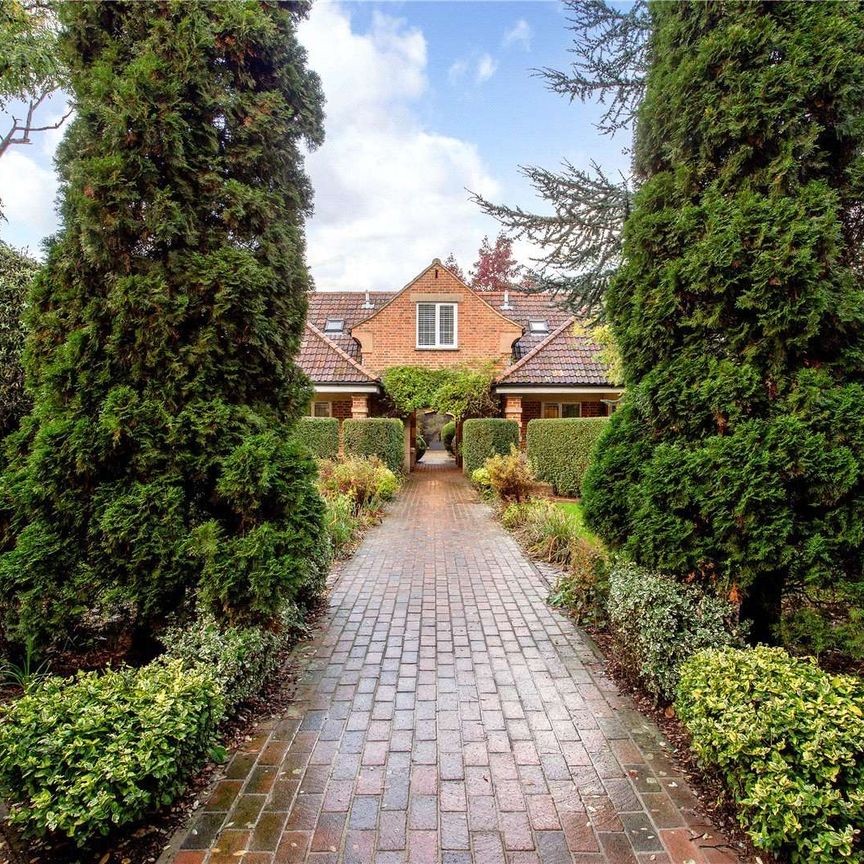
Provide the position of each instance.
(155, 462)
(738, 454)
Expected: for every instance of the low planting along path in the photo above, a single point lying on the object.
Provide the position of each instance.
(445, 713)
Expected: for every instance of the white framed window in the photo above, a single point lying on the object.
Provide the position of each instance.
(334, 325)
(437, 325)
(556, 410)
(538, 326)
(322, 409)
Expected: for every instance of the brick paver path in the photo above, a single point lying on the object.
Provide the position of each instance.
(446, 714)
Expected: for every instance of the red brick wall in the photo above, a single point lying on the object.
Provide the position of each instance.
(341, 409)
(390, 337)
(530, 411)
(594, 409)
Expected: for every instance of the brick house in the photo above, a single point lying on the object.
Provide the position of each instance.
(436, 320)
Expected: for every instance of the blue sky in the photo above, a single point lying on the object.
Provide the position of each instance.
(424, 100)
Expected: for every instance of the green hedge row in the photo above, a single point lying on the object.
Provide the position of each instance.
(788, 740)
(383, 437)
(482, 438)
(560, 450)
(320, 435)
(82, 756)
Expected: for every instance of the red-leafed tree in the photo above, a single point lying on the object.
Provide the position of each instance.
(496, 268)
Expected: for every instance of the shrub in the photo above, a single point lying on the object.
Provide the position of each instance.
(420, 445)
(240, 659)
(383, 437)
(658, 623)
(788, 740)
(163, 325)
(82, 756)
(544, 529)
(320, 435)
(367, 482)
(739, 447)
(448, 433)
(583, 588)
(480, 478)
(484, 438)
(248, 575)
(510, 475)
(560, 450)
(340, 521)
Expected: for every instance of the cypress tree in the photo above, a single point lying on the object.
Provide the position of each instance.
(155, 465)
(738, 454)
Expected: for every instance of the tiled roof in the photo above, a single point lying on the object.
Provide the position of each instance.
(326, 363)
(348, 306)
(562, 359)
(525, 308)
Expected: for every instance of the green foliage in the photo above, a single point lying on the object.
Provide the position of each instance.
(16, 274)
(738, 453)
(320, 435)
(658, 623)
(480, 478)
(366, 482)
(560, 450)
(383, 437)
(85, 755)
(448, 433)
(460, 392)
(788, 739)
(420, 447)
(239, 659)
(412, 388)
(482, 438)
(509, 475)
(583, 588)
(31, 65)
(164, 324)
(835, 628)
(341, 522)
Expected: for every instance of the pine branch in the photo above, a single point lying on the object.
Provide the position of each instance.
(611, 59)
(581, 239)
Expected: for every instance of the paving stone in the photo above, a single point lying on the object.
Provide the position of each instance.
(444, 713)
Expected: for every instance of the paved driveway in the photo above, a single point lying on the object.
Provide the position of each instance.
(447, 714)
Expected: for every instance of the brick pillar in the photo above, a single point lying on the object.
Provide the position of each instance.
(513, 411)
(359, 406)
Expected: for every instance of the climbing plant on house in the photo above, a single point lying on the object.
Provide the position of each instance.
(459, 392)
(737, 456)
(156, 461)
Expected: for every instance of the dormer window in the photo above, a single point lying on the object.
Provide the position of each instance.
(334, 325)
(538, 326)
(436, 325)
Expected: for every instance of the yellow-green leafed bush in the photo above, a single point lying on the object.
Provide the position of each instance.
(366, 481)
(82, 756)
(658, 623)
(560, 450)
(340, 521)
(509, 475)
(788, 739)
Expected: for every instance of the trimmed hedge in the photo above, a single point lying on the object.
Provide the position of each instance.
(788, 740)
(560, 450)
(82, 756)
(320, 435)
(658, 623)
(448, 432)
(376, 436)
(485, 437)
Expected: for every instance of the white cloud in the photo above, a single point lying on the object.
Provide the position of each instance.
(486, 68)
(457, 71)
(389, 192)
(28, 192)
(520, 34)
